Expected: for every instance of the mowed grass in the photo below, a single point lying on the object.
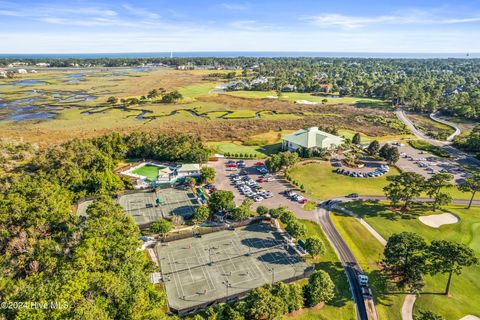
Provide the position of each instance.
(465, 291)
(196, 90)
(368, 251)
(367, 139)
(321, 182)
(148, 170)
(295, 96)
(236, 147)
(341, 307)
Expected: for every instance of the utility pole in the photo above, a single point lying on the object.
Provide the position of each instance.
(273, 275)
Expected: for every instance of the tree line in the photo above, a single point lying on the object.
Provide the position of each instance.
(92, 263)
(407, 186)
(425, 85)
(408, 258)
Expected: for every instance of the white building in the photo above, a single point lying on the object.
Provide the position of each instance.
(188, 170)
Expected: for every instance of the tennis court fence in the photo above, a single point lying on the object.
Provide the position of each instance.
(233, 297)
(199, 232)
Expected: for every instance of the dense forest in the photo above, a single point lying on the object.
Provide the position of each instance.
(90, 266)
(427, 85)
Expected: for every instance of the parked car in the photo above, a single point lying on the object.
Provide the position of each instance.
(257, 198)
(352, 195)
(259, 163)
(231, 165)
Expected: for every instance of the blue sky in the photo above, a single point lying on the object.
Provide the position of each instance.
(225, 25)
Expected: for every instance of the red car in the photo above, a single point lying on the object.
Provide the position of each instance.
(259, 163)
(232, 165)
(261, 180)
(303, 201)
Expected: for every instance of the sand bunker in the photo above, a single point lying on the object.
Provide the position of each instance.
(307, 102)
(272, 97)
(438, 220)
(470, 317)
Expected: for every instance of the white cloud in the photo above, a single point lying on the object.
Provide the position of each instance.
(413, 17)
(235, 6)
(141, 12)
(231, 40)
(88, 16)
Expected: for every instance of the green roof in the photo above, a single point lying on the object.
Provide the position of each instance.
(312, 137)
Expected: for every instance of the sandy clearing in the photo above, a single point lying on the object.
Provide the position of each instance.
(437, 220)
(307, 102)
(470, 317)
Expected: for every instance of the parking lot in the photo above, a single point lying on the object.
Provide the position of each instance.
(427, 164)
(276, 187)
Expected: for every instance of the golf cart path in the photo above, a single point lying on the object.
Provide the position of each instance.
(447, 123)
(408, 303)
(445, 145)
(364, 223)
(407, 307)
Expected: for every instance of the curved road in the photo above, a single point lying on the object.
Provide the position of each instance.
(448, 123)
(445, 145)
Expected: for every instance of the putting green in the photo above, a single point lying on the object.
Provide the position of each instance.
(149, 171)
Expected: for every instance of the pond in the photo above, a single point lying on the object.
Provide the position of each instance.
(25, 83)
(41, 115)
(36, 108)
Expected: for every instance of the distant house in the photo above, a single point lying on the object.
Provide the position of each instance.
(259, 80)
(289, 88)
(310, 138)
(22, 71)
(188, 170)
(3, 74)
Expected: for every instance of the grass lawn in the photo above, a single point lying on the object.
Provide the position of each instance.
(342, 306)
(148, 170)
(321, 182)
(196, 90)
(465, 291)
(368, 251)
(236, 147)
(294, 96)
(426, 146)
(367, 139)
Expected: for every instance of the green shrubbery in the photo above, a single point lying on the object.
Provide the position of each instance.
(425, 146)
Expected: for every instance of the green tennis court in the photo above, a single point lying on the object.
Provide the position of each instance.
(198, 272)
(149, 171)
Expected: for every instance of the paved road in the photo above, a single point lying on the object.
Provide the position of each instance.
(448, 123)
(320, 216)
(463, 158)
(347, 259)
(455, 201)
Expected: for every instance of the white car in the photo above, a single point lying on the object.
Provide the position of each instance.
(257, 198)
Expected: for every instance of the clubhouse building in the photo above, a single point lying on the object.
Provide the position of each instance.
(310, 138)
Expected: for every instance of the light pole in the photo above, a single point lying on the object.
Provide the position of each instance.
(273, 275)
(227, 285)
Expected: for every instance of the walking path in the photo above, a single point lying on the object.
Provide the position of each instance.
(445, 145)
(447, 123)
(407, 307)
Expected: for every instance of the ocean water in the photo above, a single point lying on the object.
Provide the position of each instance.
(232, 54)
